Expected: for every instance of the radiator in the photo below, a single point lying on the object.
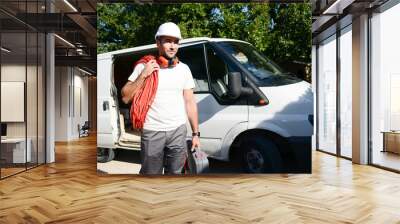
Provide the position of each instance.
(391, 141)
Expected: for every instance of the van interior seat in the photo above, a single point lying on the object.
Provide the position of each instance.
(219, 87)
(219, 75)
(128, 137)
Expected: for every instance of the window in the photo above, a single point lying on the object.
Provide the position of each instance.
(22, 69)
(218, 74)
(218, 70)
(263, 70)
(327, 95)
(385, 88)
(346, 92)
(193, 56)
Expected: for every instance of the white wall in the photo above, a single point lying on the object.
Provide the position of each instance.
(33, 125)
(71, 87)
(61, 103)
(12, 73)
(80, 84)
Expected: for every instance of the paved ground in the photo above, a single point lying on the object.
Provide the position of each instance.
(128, 162)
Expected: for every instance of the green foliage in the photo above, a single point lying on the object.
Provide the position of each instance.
(281, 31)
(291, 32)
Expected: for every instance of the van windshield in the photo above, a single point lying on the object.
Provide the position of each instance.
(265, 71)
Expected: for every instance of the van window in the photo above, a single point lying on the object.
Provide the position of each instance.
(265, 71)
(193, 56)
(218, 70)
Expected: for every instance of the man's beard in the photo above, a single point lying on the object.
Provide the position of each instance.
(168, 57)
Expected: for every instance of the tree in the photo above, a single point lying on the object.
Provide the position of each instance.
(291, 35)
(291, 31)
(280, 31)
(127, 25)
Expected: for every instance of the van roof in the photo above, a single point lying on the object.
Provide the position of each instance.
(183, 43)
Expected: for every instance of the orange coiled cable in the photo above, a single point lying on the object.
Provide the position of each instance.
(143, 99)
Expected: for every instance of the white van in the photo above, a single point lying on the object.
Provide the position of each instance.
(250, 111)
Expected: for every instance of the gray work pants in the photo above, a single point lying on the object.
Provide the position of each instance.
(163, 149)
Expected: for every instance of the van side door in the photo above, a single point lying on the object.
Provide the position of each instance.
(107, 108)
(217, 113)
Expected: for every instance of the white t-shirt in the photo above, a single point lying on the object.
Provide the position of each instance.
(167, 112)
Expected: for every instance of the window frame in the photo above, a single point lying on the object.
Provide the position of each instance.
(241, 100)
(225, 102)
(206, 67)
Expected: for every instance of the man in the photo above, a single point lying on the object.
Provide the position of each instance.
(163, 137)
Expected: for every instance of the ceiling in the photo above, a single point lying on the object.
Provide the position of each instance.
(326, 14)
(74, 22)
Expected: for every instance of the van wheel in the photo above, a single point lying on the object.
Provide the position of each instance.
(261, 155)
(105, 155)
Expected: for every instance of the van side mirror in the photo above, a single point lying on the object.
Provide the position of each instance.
(235, 88)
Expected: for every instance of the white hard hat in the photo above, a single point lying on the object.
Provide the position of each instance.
(169, 29)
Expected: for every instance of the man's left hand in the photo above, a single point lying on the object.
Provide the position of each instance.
(195, 142)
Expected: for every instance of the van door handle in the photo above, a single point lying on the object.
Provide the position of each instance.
(106, 106)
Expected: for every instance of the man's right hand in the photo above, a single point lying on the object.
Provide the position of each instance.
(149, 68)
(130, 88)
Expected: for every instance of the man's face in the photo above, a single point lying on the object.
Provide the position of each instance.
(168, 46)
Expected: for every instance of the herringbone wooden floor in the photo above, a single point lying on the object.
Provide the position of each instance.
(70, 191)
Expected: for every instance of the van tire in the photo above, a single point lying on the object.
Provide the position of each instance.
(105, 155)
(261, 155)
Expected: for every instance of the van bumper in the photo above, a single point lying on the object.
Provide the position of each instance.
(299, 155)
